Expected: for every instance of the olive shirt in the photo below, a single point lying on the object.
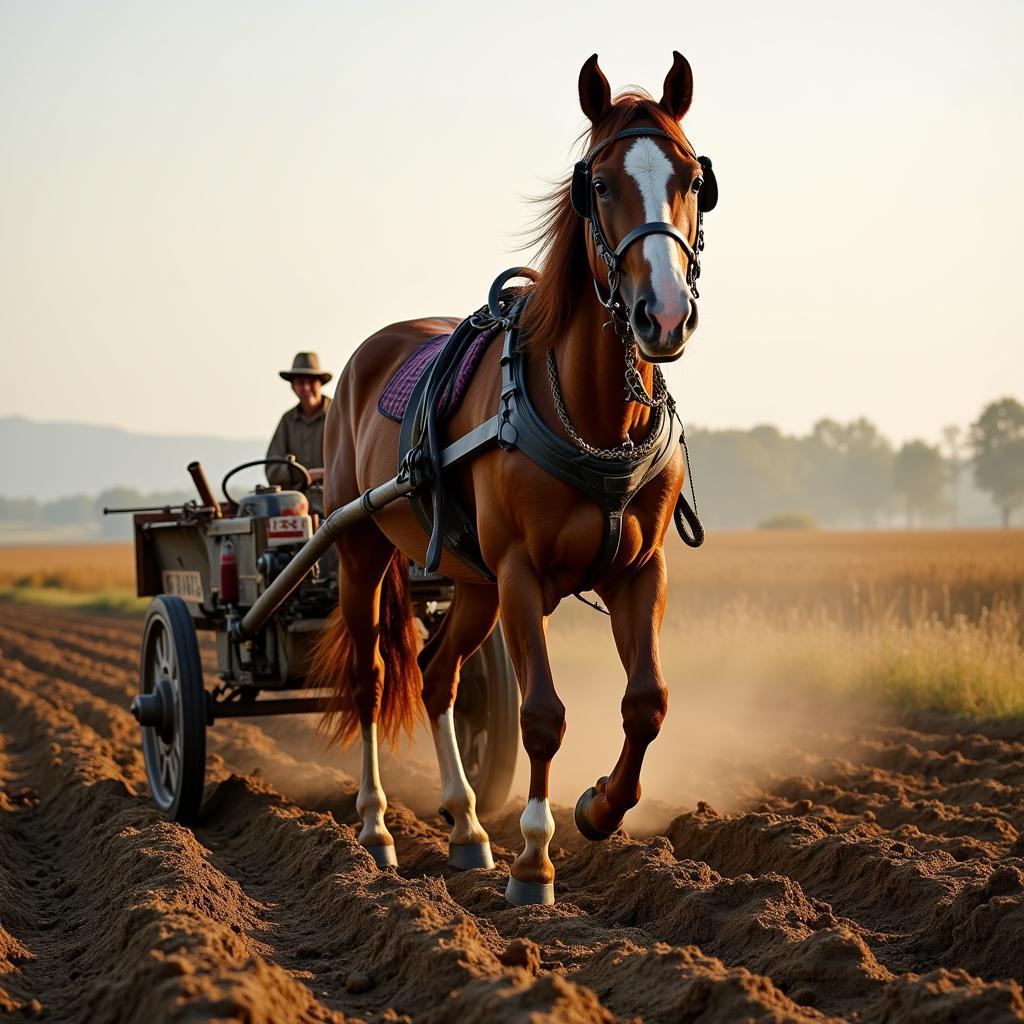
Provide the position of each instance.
(296, 435)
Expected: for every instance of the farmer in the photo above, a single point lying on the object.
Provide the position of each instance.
(301, 430)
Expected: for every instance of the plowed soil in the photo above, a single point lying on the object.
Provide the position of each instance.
(880, 877)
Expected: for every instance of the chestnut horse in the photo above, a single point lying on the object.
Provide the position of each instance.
(538, 535)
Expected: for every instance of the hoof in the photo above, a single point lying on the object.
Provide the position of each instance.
(523, 894)
(586, 829)
(470, 855)
(383, 856)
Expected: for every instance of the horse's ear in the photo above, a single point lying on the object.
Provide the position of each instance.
(678, 88)
(595, 92)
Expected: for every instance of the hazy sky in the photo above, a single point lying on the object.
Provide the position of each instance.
(191, 192)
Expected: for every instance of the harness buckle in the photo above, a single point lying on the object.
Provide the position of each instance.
(507, 435)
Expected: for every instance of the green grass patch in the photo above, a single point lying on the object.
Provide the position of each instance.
(115, 600)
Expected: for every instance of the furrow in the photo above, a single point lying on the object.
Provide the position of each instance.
(173, 928)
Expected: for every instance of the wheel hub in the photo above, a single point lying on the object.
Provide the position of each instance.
(156, 710)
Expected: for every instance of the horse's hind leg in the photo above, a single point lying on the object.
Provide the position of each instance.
(636, 608)
(364, 556)
(467, 624)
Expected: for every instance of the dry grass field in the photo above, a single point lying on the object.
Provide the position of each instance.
(931, 619)
(79, 568)
(852, 577)
(926, 618)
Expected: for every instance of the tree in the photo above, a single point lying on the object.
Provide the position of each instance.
(741, 476)
(954, 438)
(853, 467)
(19, 510)
(72, 511)
(997, 437)
(919, 475)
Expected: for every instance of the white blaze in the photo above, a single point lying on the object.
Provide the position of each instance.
(650, 169)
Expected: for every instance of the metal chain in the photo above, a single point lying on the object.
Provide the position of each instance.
(635, 388)
(628, 449)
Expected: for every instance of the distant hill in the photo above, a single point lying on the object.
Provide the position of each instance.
(52, 460)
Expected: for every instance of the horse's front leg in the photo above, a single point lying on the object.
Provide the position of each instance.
(637, 606)
(542, 718)
(467, 624)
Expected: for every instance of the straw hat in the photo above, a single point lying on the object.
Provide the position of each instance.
(306, 364)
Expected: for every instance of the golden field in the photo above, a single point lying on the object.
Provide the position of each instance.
(98, 576)
(79, 568)
(843, 573)
(928, 618)
(853, 577)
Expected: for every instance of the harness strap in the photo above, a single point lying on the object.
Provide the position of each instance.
(454, 527)
(610, 483)
(442, 369)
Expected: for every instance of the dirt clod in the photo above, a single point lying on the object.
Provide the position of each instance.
(358, 982)
(522, 953)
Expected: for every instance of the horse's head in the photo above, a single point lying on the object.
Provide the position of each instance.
(643, 190)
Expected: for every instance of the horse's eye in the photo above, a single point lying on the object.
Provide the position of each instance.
(600, 187)
(698, 184)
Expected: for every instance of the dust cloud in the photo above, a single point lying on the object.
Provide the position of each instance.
(732, 723)
(739, 716)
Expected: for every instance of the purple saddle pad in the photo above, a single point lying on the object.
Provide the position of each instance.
(394, 399)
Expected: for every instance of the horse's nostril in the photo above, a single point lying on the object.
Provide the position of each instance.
(691, 320)
(643, 323)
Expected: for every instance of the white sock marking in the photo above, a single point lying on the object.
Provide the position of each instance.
(538, 826)
(457, 796)
(371, 802)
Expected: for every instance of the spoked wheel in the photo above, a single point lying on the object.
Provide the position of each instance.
(487, 722)
(171, 709)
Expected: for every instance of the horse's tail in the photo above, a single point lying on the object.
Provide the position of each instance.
(331, 664)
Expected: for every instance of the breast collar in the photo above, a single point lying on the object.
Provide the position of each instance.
(610, 483)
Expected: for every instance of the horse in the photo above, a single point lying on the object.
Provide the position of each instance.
(598, 319)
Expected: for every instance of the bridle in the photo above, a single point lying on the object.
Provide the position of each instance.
(582, 196)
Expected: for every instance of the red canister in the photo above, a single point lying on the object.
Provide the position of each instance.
(228, 572)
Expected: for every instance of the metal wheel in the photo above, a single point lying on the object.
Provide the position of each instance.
(171, 708)
(487, 722)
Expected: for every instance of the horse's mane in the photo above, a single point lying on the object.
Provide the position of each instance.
(559, 233)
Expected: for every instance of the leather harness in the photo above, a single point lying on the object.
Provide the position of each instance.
(611, 484)
(610, 481)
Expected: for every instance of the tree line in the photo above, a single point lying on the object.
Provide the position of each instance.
(850, 475)
(83, 510)
(840, 474)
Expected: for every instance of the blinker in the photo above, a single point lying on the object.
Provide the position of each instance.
(707, 198)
